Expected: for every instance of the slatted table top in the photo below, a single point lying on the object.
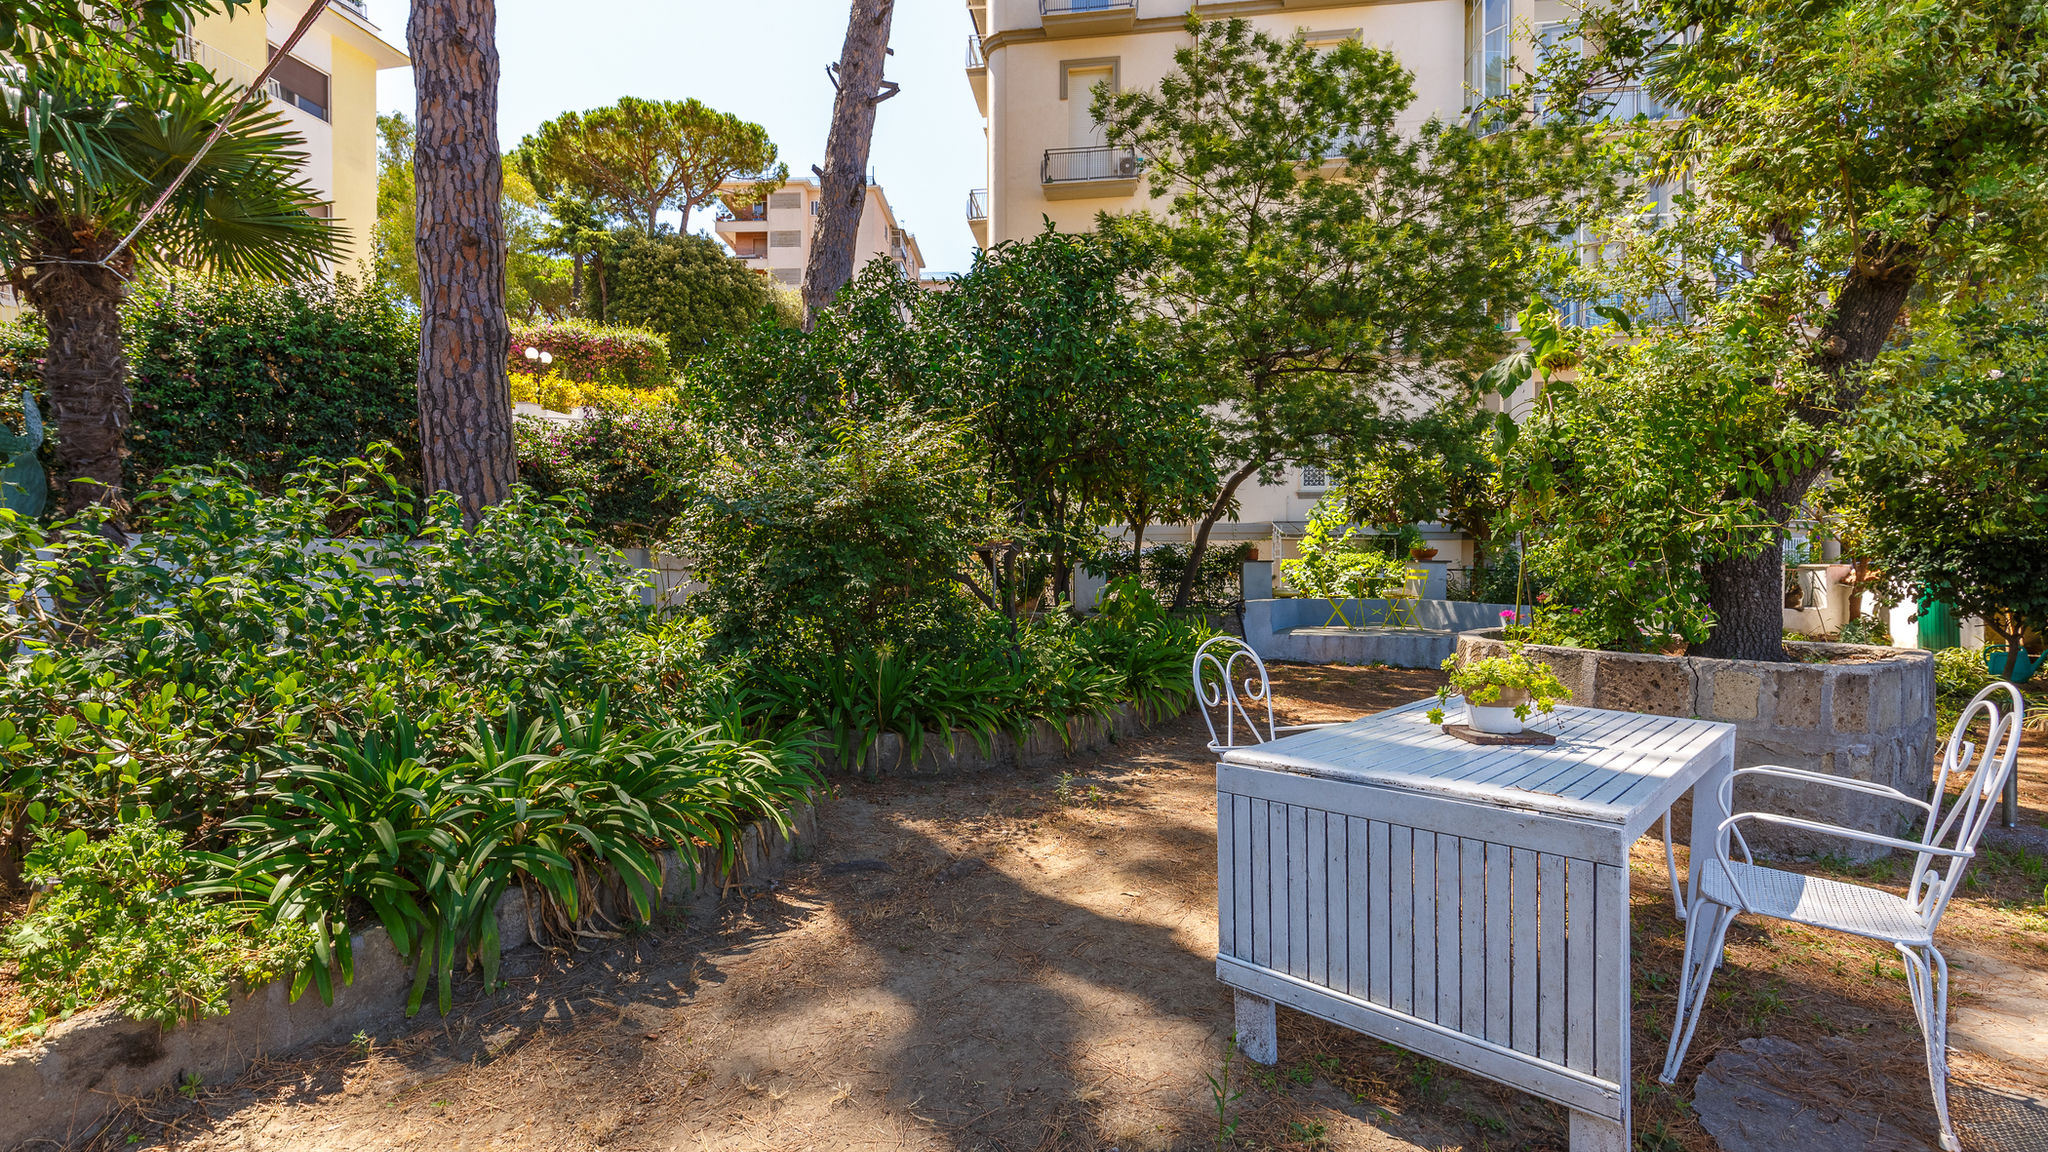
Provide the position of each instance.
(1614, 767)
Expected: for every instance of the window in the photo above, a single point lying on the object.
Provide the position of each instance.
(299, 84)
(1487, 55)
(785, 200)
(1313, 477)
(817, 207)
(788, 239)
(794, 277)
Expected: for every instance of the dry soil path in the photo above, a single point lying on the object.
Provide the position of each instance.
(1001, 962)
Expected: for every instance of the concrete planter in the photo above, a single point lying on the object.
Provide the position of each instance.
(60, 1090)
(1867, 714)
(1042, 744)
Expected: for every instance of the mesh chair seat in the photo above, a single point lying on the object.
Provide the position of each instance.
(1821, 903)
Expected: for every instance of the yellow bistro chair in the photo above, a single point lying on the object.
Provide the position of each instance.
(1402, 601)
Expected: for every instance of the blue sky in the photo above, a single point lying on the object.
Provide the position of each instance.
(760, 59)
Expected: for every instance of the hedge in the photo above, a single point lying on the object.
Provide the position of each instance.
(590, 353)
(269, 376)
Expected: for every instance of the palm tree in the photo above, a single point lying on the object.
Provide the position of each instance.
(84, 153)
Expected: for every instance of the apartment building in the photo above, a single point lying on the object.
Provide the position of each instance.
(326, 88)
(1033, 67)
(773, 236)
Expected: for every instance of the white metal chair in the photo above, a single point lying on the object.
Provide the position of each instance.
(1907, 922)
(1219, 690)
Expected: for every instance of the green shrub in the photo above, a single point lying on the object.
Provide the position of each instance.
(240, 620)
(684, 287)
(430, 841)
(1219, 583)
(860, 538)
(634, 465)
(591, 353)
(1959, 674)
(1133, 651)
(268, 376)
(116, 927)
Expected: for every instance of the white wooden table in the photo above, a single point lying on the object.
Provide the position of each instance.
(1466, 902)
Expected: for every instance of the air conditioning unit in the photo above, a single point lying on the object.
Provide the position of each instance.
(1127, 166)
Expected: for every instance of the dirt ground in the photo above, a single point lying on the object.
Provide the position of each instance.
(1025, 962)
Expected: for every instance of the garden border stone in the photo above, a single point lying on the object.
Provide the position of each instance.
(1042, 744)
(1869, 720)
(61, 1089)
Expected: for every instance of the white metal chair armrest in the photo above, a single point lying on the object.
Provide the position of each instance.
(1846, 783)
(1721, 843)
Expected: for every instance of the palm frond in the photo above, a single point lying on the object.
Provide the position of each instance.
(85, 154)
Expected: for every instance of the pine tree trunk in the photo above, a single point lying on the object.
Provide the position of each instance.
(465, 397)
(843, 183)
(85, 377)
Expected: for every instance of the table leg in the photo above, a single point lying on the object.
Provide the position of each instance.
(1258, 1029)
(1597, 1134)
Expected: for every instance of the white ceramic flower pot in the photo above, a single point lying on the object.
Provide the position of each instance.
(1499, 717)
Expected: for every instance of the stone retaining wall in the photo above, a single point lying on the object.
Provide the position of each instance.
(1871, 720)
(60, 1090)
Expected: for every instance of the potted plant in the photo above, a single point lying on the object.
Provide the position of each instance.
(1420, 553)
(1499, 691)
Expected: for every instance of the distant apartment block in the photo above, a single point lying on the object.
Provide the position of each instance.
(326, 89)
(773, 236)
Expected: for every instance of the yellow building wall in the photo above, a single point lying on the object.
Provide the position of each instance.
(243, 37)
(352, 89)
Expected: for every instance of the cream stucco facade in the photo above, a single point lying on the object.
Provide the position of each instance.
(773, 237)
(327, 91)
(1032, 67)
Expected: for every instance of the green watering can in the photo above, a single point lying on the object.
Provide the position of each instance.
(2023, 670)
(23, 486)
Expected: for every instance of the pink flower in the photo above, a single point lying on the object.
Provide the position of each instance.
(1507, 613)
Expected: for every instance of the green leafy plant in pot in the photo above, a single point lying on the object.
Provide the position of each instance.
(1499, 691)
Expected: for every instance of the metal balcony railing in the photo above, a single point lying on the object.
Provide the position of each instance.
(747, 212)
(218, 64)
(1075, 7)
(1071, 165)
(975, 58)
(977, 204)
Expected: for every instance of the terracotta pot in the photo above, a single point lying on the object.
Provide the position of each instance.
(1422, 553)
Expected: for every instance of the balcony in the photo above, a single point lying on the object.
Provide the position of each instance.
(977, 11)
(1086, 17)
(977, 216)
(216, 63)
(1089, 173)
(977, 72)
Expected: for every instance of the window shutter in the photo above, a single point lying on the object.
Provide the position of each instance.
(786, 239)
(785, 199)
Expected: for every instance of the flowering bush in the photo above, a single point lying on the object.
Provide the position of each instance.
(559, 394)
(593, 353)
